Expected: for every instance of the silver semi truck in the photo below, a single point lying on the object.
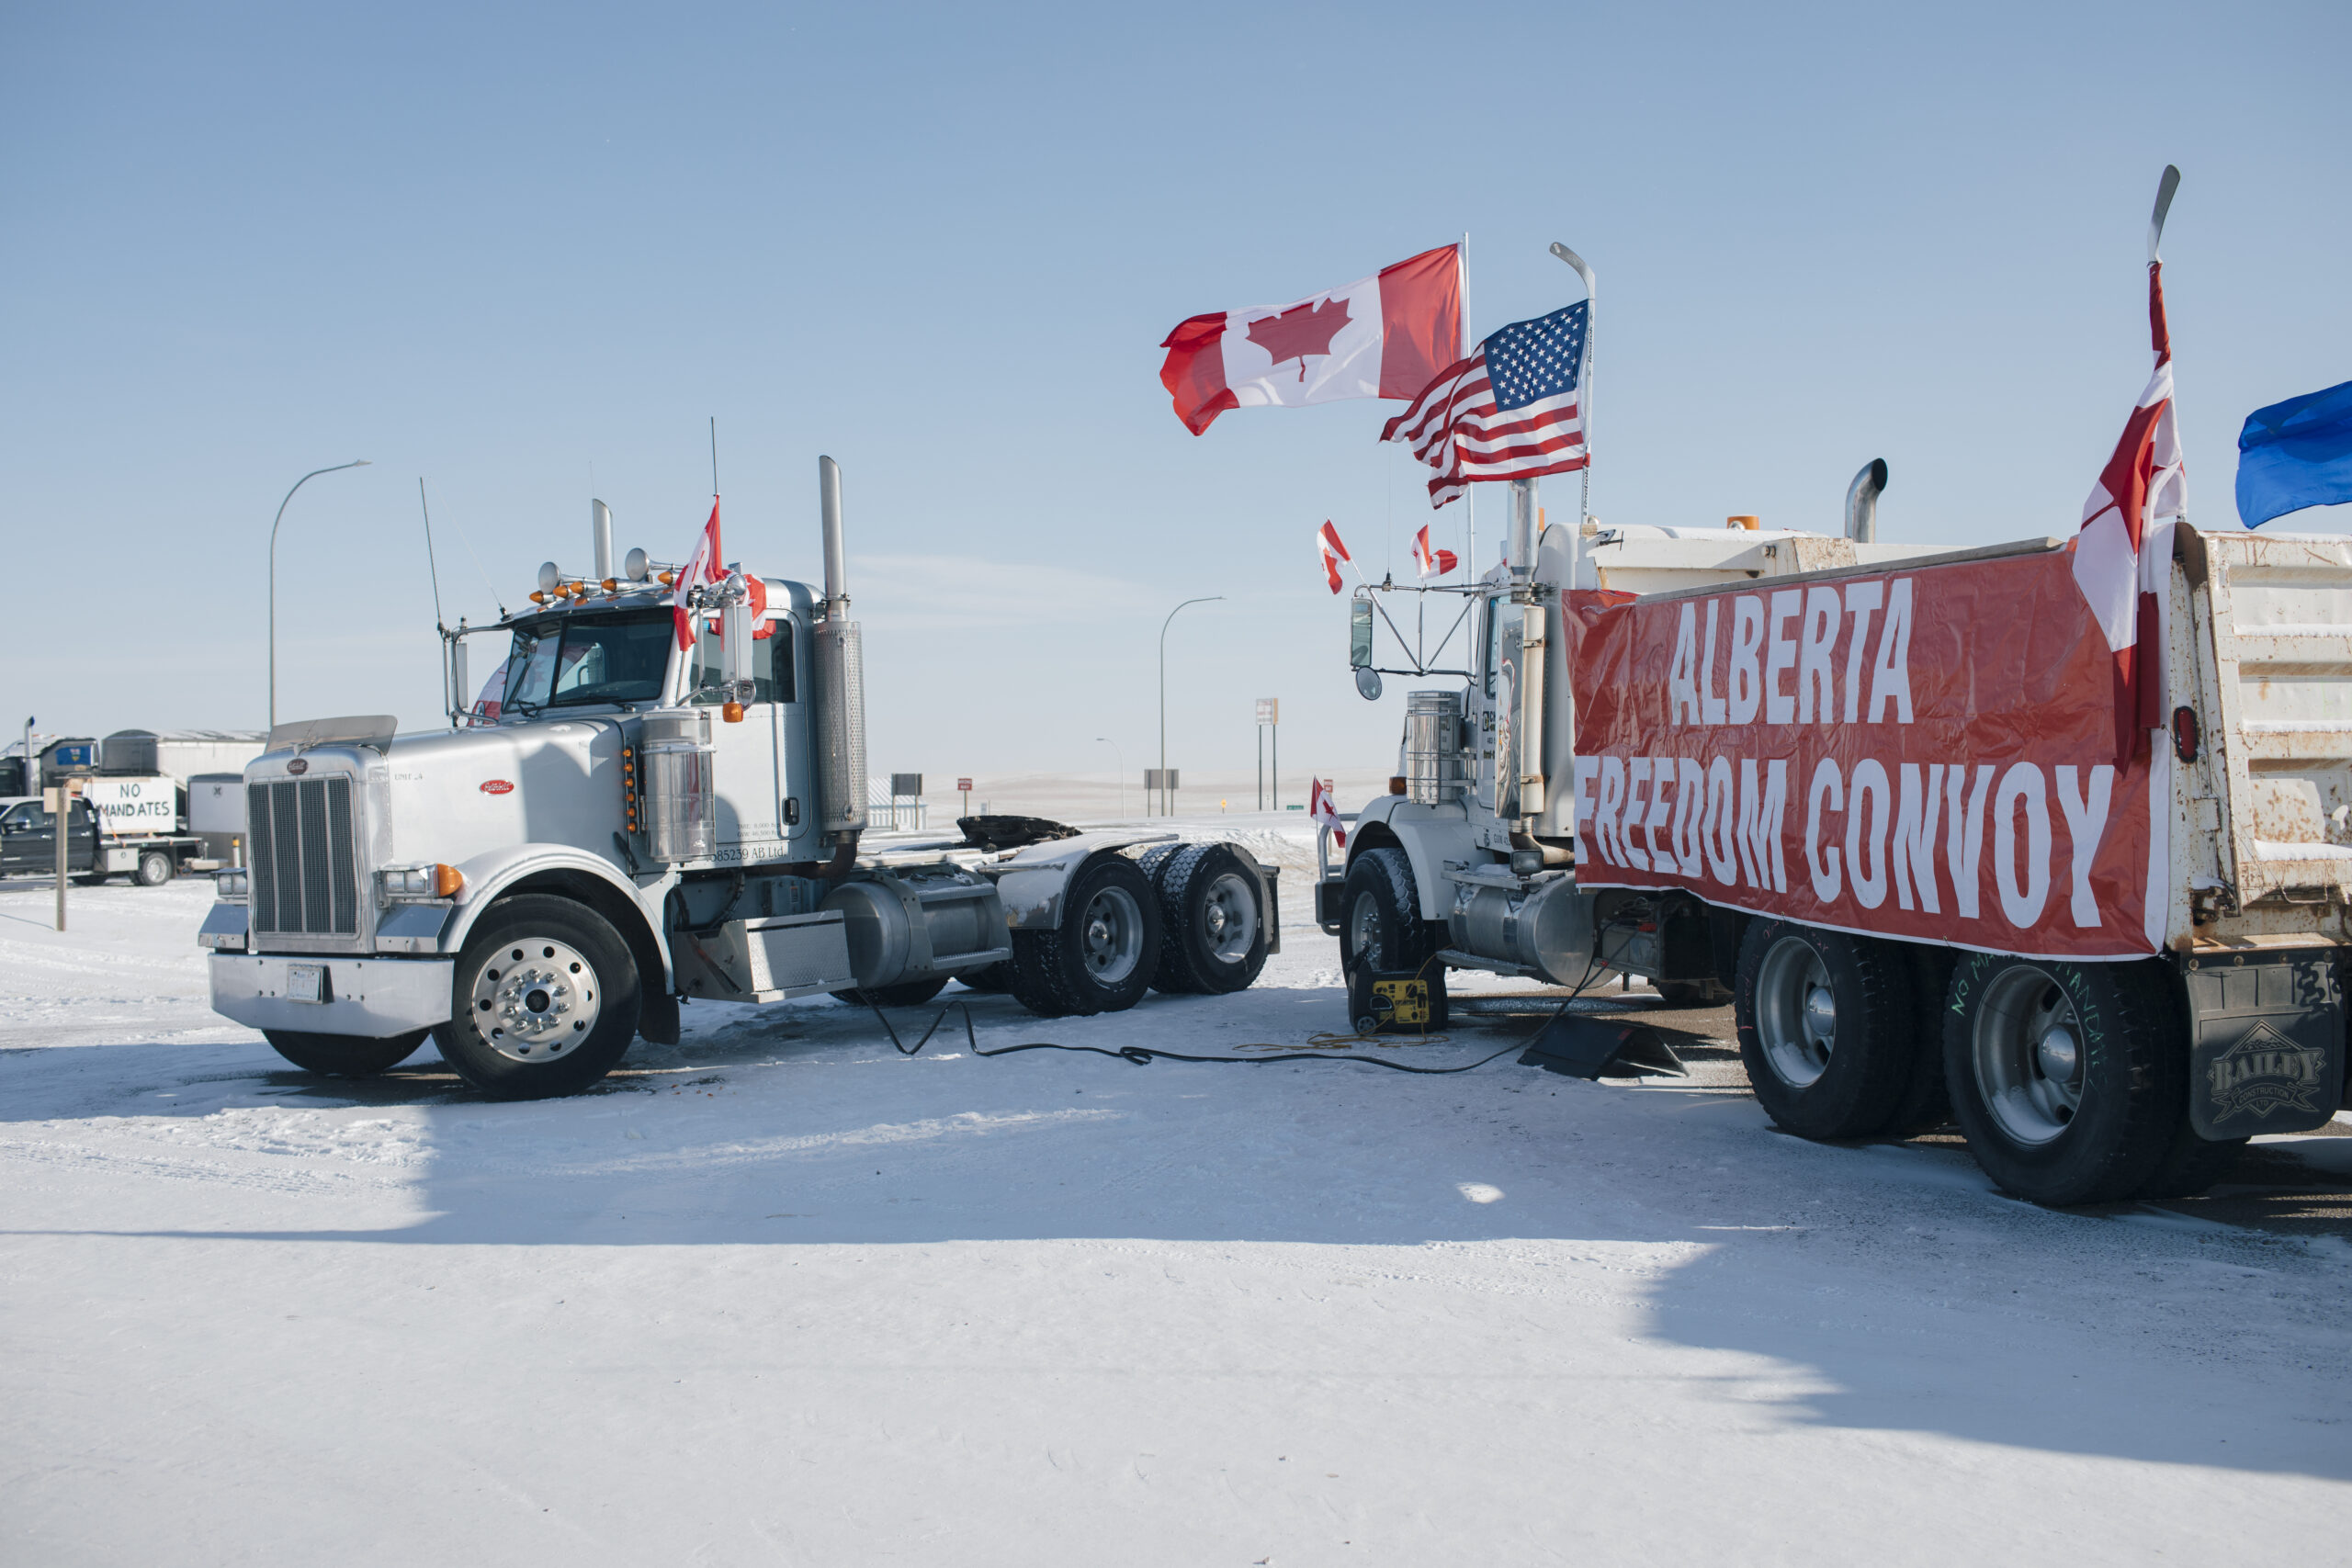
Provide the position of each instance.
(644, 823)
(2073, 1081)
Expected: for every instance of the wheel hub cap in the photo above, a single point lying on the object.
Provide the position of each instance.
(1229, 918)
(2027, 1051)
(534, 1000)
(1796, 1012)
(1112, 935)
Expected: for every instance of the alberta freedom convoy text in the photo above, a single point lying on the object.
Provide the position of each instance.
(1920, 755)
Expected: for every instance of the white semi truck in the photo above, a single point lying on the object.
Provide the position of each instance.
(2099, 1025)
(644, 824)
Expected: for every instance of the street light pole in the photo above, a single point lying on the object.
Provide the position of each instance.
(1115, 751)
(306, 478)
(1210, 599)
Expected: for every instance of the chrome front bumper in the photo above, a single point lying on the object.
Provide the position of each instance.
(372, 998)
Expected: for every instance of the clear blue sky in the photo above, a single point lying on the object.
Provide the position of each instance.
(509, 249)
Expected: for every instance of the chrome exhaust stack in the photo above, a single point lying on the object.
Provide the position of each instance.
(841, 678)
(828, 501)
(600, 528)
(1861, 502)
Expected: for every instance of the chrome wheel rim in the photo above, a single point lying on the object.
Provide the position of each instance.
(1363, 929)
(2026, 1049)
(1796, 1012)
(1229, 918)
(1110, 935)
(534, 998)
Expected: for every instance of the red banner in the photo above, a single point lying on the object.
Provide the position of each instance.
(1925, 752)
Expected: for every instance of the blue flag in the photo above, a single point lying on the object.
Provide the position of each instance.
(2296, 454)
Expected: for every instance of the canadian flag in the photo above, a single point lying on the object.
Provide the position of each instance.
(1326, 815)
(1431, 563)
(701, 570)
(1383, 336)
(2120, 564)
(1327, 540)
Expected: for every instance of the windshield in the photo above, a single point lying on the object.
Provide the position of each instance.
(580, 661)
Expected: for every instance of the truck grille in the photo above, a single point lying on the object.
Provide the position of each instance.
(305, 880)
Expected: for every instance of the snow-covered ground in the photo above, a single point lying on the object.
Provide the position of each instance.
(782, 1295)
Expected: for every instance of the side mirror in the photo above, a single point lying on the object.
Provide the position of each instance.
(1359, 633)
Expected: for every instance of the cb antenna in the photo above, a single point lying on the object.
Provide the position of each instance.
(439, 623)
(713, 457)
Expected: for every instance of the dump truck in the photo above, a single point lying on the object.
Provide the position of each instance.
(1878, 796)
(668, 806)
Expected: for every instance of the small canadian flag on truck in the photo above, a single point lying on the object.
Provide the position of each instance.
(1326, 813)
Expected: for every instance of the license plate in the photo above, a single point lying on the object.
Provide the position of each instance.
(306, 982)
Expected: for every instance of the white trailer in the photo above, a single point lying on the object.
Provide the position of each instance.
(641, 825)
(1510, 843)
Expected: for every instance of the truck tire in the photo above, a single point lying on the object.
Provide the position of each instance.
(1380, 916)
(1213, 925)
(343, 1056)
(994, 980)
(905, 994)
(1825, 1022)
(155, 868)
(1924, 1103)
(1103, 955)
(545, 999)
(2067, 1079)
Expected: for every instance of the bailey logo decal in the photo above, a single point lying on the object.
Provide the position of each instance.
(497, 787)
(2263, 1073)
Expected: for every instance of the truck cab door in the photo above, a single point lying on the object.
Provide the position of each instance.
(748, 757)
(82, 849)
(33, 846)
(19, 828)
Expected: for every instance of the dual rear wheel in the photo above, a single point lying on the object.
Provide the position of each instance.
(2065, 1079)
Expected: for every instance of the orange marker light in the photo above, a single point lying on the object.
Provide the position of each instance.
(448, 880)
(538, 597)
(733, 713)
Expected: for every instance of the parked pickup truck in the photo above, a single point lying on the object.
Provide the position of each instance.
(28, 840)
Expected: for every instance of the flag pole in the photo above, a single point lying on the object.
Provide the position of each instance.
(1469, 492)
(1584, 397)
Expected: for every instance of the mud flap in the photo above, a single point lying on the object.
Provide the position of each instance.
(1580, 1047)
(657, 1018)
(2266, 1042)
(1403, 1003)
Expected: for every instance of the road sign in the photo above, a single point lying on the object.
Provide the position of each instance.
(965, 785)
(1270, 710)
(906, 784)
(1159, 778)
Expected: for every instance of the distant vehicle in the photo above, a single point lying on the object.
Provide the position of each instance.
(142, 824)
(640, 822)
(28, 840)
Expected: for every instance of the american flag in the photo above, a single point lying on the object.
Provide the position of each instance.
(1512, 410)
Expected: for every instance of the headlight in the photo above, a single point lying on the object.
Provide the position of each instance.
(229, 883)
(420, 882)
(406, 882)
